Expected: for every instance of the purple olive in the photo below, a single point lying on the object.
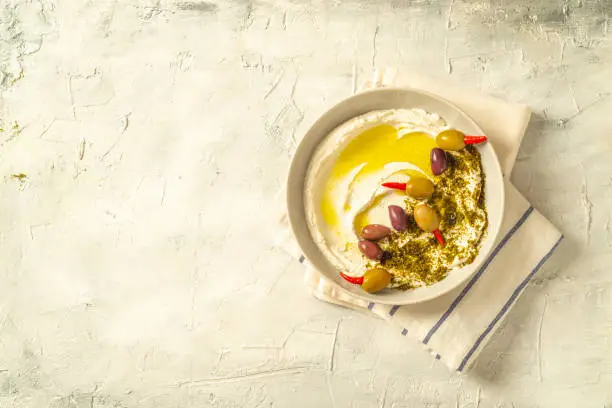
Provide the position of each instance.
(370, 250)
(398, 217)
(374, 232)
(439, 163)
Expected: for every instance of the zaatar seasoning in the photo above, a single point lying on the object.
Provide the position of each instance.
(412, 256)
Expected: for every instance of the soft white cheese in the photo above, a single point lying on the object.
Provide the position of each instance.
(351, 198)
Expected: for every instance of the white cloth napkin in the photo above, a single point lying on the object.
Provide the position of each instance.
(456, 326)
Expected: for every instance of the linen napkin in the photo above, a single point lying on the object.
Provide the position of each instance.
(456, 326)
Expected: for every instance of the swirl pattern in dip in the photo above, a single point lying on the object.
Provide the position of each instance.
(343, 194)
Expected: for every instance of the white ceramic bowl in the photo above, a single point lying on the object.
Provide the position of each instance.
(378, 99)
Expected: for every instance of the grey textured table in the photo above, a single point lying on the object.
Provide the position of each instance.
(144, 144)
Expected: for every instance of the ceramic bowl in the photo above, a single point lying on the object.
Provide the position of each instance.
(379, 99)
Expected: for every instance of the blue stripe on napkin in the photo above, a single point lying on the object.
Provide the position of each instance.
(505, 308)
(393, 310)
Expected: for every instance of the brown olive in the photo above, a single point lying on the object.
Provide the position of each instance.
(426, 218)
(439, 161)
(370, 250)
(398, 217)
(375, 280)
(375, 232)
(450, 139)
(420, 188)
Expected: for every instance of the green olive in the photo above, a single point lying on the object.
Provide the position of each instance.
(420, 188)
(375, 280)
(426, 218)
(450, 139)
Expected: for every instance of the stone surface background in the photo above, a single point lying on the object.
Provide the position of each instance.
(143, 148)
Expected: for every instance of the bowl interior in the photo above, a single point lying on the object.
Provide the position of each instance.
(378, 99)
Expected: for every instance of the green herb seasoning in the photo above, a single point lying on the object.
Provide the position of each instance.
(413, 256)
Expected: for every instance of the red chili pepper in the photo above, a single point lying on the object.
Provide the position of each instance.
(468, 140)
(357, 280)
(399, 186)
(439, 237)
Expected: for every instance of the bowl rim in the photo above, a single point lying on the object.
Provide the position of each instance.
(293, 214)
